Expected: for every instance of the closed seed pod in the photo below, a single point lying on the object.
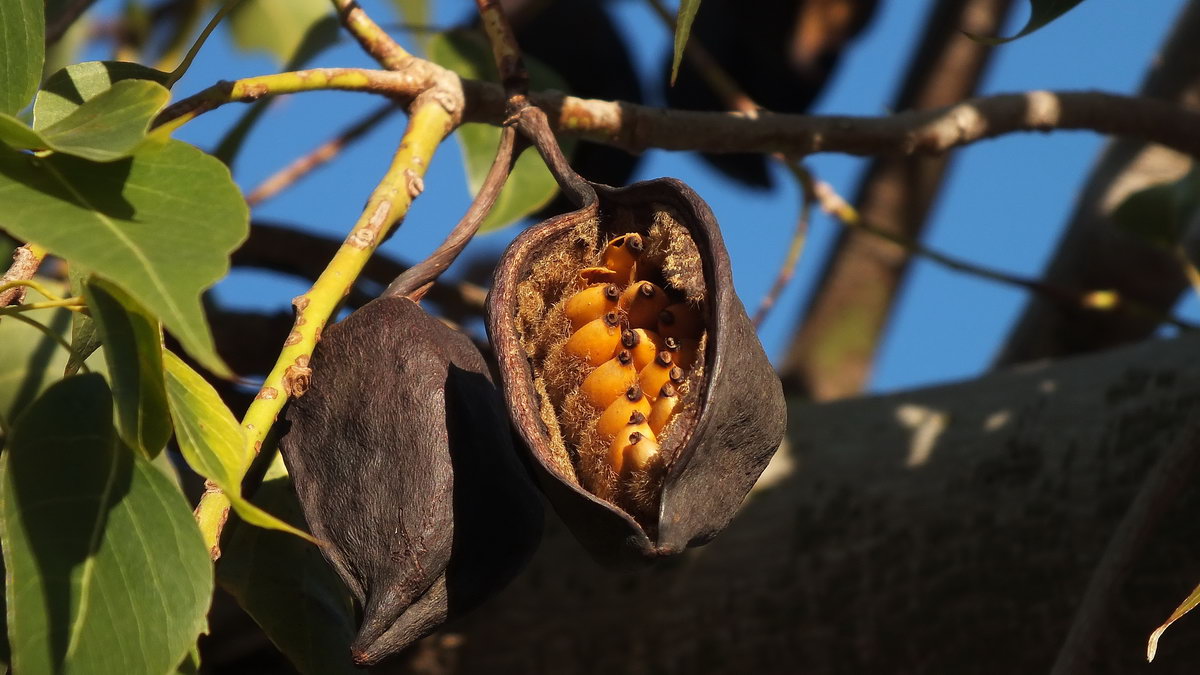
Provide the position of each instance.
(730, 415)
(402, 460)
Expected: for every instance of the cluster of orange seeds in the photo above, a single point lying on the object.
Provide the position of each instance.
(639, 346)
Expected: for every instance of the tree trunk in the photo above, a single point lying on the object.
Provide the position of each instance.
(945, 530)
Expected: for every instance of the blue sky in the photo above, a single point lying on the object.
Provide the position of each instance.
(1004, 205)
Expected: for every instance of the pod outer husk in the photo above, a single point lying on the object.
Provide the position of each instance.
(741, 418)
(403, 463)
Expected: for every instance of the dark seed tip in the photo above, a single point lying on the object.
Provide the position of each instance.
(646, 290)
(667, 390)
(624, 357)
(637, 417)
(635, 437)
(671, 343)
(664, 358)
(629, 338)
(633, 393)
(612, 318)
(676, 374)
(635, 243)
(612, 292)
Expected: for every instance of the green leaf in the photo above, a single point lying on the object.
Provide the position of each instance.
(110, 125)
(107, 127)
(212, 441)
(1041, 12)
(683, 30)
(530, 186)
(22, 51)
(160, 225)
(133, 349)
(277, 27)
(84, 339)
(287, 587)
(14, 132)
(30, 360)
(1186, 606)
(69, 88)
(1161, 213)
(113, 575)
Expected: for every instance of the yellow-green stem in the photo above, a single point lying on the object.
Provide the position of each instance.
(390, 201)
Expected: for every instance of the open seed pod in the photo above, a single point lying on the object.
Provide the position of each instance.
(642, 492)
(403, 463)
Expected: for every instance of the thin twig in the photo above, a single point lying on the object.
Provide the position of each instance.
(1099, 300)
(799, 236)
(26, 260)
(507, 54)
(326, 152)
(374, 40)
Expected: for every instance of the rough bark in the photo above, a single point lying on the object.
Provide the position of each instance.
(946, 530)
(1093, 253)
(832, 353)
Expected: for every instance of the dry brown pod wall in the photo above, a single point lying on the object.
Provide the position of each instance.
(402, 459)
(730, 414)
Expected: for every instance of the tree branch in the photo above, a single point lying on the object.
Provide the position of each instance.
(636, 127)
(26, 260)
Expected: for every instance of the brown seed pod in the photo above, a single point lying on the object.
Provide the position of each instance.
(401, 457)
(729, 419)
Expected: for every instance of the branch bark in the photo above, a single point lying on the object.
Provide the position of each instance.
(832, 352)
(636, 127)
(945, 530)
(1093, 252)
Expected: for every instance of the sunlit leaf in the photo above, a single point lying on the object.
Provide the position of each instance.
(114, 577)
(530, 186)
(286, 586)
(109, 126)
(160, 225)
(71, 87)
(1041, 12)
(683, 30)
(133, 350)
(212, 441)
(22, 51)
